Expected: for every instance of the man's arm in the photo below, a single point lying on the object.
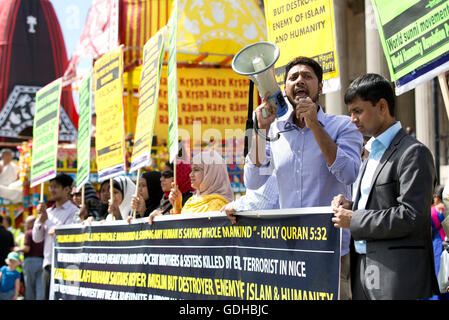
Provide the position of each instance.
(257, 148)
(343, 156)
(256, 169)
(39, 228)
(254, 177)
(24, 249)
(327, 146)
(347, 161)
(306, 112)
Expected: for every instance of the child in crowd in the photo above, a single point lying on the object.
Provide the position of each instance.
(10, 278)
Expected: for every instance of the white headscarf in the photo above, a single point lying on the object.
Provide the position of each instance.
(128, 189)
(215, 175)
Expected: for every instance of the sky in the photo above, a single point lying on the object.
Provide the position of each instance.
(72, 16)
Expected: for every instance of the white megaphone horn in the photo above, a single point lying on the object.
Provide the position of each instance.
(256, 61)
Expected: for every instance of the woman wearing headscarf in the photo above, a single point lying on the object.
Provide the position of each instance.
(105, 194)
(166, 181)
(183, 182)
(209, 177)
(120, 204)
(92, 204)
(149, 194)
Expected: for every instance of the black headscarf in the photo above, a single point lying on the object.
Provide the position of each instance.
(103, 213)
(155, 193)
(92, 201)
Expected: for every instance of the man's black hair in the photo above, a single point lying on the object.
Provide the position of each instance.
(308, 62)
(371, 87)
(168, 164)
(63, 179)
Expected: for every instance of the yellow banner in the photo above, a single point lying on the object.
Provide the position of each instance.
(222, 27)
(214, 98)
(303, 28)
(110, 128)
(149, 91)
(218, 98)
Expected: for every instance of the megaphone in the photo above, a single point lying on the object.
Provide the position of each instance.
(256, 61)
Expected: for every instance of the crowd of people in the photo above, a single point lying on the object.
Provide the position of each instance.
(378, 179)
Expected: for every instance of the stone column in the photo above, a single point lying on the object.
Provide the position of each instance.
(375, 58)
(335, 100)
(377, 63)
(424, 114)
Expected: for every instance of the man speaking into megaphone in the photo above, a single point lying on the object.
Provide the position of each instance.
(316, 156)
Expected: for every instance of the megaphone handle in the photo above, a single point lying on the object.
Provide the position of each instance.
(248, 135)
(249, 121)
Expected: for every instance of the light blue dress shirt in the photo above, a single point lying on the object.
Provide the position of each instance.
(376, 147)
(264, 198)
(303, 177)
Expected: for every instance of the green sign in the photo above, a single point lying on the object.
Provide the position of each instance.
(84, 124)
(172, 85)
(45, 133)
(412, 32)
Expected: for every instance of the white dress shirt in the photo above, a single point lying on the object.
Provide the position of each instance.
(56, 217)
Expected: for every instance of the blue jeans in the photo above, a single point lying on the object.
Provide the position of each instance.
(8, 295)
(32, 273)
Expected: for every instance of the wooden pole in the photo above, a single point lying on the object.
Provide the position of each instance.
(82, 196)
(42, 192)
(174, 180)
(139, 171)
(174, 172)
(111, 191)
(129, 106)
(444, 90)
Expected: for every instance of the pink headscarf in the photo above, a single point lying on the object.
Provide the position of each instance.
(215, 175)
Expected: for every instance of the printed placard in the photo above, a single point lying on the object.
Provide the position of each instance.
(172, 84)
(110, 125)
(412, 33)
(46, 133)
(84, 127)
(304, 28)
(149, 92)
